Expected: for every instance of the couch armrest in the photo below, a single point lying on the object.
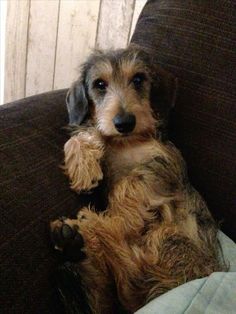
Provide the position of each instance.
(33, 191)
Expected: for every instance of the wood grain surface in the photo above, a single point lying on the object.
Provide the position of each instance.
(47, 40)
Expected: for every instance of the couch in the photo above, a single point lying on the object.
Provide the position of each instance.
(195, 40)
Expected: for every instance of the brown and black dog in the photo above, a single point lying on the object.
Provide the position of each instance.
(156, 232)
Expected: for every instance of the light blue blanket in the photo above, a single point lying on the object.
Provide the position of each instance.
(215, 294)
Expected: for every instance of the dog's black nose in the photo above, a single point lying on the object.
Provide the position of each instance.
(125, 122)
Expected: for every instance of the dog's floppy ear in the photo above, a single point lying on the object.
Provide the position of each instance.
(77, 103)
(163, 92)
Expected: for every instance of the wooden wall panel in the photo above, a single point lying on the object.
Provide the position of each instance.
(76, 36)
(47, 40)
(16, 49)
(114, 23)
(42, 36)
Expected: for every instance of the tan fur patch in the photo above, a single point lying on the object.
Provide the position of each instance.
(82, 153)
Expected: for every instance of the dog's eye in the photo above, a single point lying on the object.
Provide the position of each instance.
(138, 80)
(100, 84)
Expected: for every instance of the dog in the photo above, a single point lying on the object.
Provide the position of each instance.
(156, 232)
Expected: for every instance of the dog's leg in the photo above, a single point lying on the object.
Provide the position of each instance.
(83, 153)
(134, 271)
(78, 240)
(112, 269)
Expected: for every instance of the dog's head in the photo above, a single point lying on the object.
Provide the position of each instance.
(123, 93)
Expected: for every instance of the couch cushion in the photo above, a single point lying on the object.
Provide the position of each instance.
(195, 40)
(33, 191)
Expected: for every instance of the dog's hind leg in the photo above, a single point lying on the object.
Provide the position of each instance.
(134, 273)
(162, 260)
(78, 240)
(114, 269)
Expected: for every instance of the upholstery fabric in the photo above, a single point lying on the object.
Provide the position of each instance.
(195, 40)
(33, 191)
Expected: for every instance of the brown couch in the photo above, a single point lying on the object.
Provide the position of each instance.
(192, 39)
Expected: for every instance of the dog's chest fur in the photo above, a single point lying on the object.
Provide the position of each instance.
(121, 160)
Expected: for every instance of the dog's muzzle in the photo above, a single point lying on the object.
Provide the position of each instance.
(125, 122)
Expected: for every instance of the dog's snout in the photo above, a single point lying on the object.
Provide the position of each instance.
(125, 122)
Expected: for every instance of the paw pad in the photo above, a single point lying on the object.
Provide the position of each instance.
(67, 240)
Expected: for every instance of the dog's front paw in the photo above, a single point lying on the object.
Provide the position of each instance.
(67, 239)
(82, 161)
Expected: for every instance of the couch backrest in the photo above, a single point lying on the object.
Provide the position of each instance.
(195, 40)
